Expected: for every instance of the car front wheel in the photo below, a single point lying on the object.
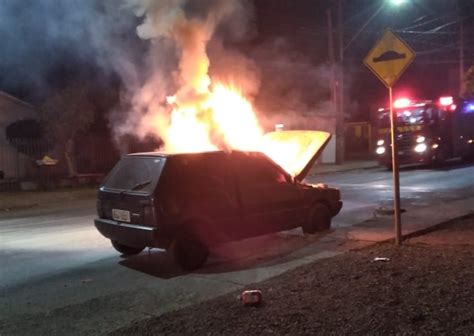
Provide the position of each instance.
(126, 250)
(319, 219)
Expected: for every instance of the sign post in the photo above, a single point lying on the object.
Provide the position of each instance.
(388, 59)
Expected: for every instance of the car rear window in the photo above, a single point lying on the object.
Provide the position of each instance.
(138, 174)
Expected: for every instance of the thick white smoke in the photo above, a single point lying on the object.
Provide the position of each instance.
(178, 47)
(38, 37)
(178, 64)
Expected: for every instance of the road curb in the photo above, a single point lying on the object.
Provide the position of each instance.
(412, 234)
(435, 227)
(19, 207)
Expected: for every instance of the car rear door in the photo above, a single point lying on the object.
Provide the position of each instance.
(200, 187)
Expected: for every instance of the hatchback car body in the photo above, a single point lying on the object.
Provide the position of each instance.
(186, 203)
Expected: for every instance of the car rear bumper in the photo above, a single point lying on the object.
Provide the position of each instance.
(337, 208)
(131, 234)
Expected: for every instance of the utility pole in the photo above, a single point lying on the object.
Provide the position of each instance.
(461, 58)
(332, 62)
(340, 89)
(461, 49)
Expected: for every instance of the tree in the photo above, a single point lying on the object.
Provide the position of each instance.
(469, 82)
(65, 113)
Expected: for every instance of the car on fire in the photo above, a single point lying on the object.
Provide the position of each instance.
(186, 203)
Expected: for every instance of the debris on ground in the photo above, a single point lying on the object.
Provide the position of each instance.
(251, 298)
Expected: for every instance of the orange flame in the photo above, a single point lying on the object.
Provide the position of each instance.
(224, 119)
(205, 115)
(221, 119)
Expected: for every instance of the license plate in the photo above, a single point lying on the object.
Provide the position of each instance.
(121, 215)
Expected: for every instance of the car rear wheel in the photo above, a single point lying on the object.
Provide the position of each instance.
(319, 220)
(126, 250)
(189, 252)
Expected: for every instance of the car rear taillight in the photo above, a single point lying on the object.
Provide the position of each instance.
(149, 215)
(100, 212)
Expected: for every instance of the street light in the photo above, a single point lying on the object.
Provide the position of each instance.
(361, 29)
(339, 96)
(398, 2)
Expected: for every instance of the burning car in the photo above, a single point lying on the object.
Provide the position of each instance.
(188, 202)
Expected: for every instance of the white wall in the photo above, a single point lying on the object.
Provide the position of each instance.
(12, 163)
(329, 153)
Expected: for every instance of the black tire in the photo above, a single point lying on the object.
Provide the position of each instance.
(189, 252)
(440, 157)
(126, 250)
(319, 219)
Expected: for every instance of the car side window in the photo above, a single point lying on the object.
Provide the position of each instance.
(194, 179)
(210, 173)
(260, 171)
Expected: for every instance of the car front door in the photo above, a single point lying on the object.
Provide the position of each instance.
(270, 200)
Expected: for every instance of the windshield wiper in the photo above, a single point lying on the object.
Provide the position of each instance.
(140, 185)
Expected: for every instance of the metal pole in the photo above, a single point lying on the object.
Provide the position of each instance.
(331, 62)
(340, 148)
(461, 59)
(396, 174)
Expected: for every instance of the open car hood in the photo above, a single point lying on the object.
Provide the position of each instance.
(295, 151)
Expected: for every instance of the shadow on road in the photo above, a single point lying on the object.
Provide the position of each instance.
(154, 262)
(247, 254)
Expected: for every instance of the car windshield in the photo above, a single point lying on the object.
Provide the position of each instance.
(408, 116)
(137, 174)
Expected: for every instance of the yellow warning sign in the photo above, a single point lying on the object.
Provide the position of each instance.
(389, 58)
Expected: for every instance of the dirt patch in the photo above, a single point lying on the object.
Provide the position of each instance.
(19, 200)
(425, 287)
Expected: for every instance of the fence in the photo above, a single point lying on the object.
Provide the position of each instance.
(93, 156)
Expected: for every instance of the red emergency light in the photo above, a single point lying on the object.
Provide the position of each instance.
(401, 102)
(446, 101)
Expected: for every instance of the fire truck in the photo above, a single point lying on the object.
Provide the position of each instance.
(428, 131)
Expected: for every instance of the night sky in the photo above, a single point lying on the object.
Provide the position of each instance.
(37, 57)
(430, 27)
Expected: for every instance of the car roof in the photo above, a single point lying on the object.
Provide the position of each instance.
(205, 153)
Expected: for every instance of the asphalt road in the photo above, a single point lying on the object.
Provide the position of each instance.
(59, 275)
(364, 191)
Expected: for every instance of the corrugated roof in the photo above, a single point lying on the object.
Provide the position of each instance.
(14, 99)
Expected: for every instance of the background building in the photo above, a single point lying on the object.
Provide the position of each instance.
(13, 164)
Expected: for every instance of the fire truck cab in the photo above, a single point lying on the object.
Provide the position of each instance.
(427, 131)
